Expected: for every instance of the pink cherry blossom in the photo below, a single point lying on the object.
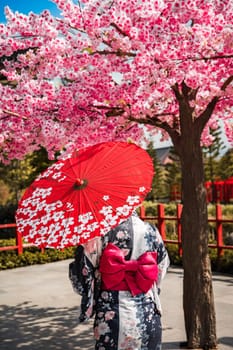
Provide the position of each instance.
(97, 71)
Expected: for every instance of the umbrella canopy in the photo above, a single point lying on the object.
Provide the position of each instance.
(86, 195)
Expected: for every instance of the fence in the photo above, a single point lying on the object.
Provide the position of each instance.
(160, 220)
(19, 240)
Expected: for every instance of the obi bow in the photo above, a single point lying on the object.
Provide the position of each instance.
(137, 276)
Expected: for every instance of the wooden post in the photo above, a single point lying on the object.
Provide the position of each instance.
(219, 229)
(161, 221)
(19, 242)
(178, 214)
(142, 212)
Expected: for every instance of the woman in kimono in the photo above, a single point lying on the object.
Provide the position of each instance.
(119, 277)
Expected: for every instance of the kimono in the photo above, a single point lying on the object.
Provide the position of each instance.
(127, 313)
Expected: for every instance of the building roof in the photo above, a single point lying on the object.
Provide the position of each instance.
(163, 155)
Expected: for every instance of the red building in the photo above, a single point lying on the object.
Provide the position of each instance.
(220, 191)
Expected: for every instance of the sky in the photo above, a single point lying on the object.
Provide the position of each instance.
(26, 6)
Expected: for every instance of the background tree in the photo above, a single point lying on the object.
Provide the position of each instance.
(164, 64)
(38, 162)
(225, 165)
(173, 177)
(16, 176)
(211, 157)
(158, 179)
(4, 193)
(19, 174)
(212, 154)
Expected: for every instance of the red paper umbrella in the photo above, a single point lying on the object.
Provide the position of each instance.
(86, 195)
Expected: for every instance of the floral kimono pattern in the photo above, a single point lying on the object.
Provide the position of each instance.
(122, 321)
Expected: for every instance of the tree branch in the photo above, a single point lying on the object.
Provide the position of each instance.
(226, 83)
(217, 57)
(114, 25)
(10, 113)
(205, 116)
(155, 121)
(118, 53)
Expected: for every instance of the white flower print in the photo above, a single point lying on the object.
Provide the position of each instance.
(56, 175)
(50, 171)
(69, 206)
(54, 206)
(104, 231)
(104, 295)
(34, 202)
(61, 179)
(92, 227)
(67, 222)
(58, 215)
(38, 241)
(27, 212)
(79, 229)
(57, 166)
(27, 222)
(32, 233)
(52, 239)
(20, 227)
(74, 238)
(65, 241)
(41, 205)
(106, 198)
(26, 202)
(84, 218)
(42, 192)
(35, 222)
(45, 219)
(133, 199)
(109, 315)
(130, 343)
(106, 210)
(86, 234)
(66, 231)
(54, 228)
(46, 174)
(124, 210)
(142, 189)
(110, 220)
(120, 234)
(43, 230)
(103, 328)
(31, 214)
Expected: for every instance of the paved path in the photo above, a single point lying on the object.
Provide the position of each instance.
(38, 310)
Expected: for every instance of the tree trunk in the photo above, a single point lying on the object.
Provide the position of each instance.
(198, 300)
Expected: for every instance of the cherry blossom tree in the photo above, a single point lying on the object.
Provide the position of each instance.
(103, 69)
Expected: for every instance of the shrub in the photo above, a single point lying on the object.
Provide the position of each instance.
(224, 264)
(175, 259)
(32, 255)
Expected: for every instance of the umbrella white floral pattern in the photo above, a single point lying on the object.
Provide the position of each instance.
(86, 195)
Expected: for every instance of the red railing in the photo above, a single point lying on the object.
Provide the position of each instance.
(19, 240)
(160, 219)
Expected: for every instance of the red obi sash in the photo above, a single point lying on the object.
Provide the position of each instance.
(137, 276)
